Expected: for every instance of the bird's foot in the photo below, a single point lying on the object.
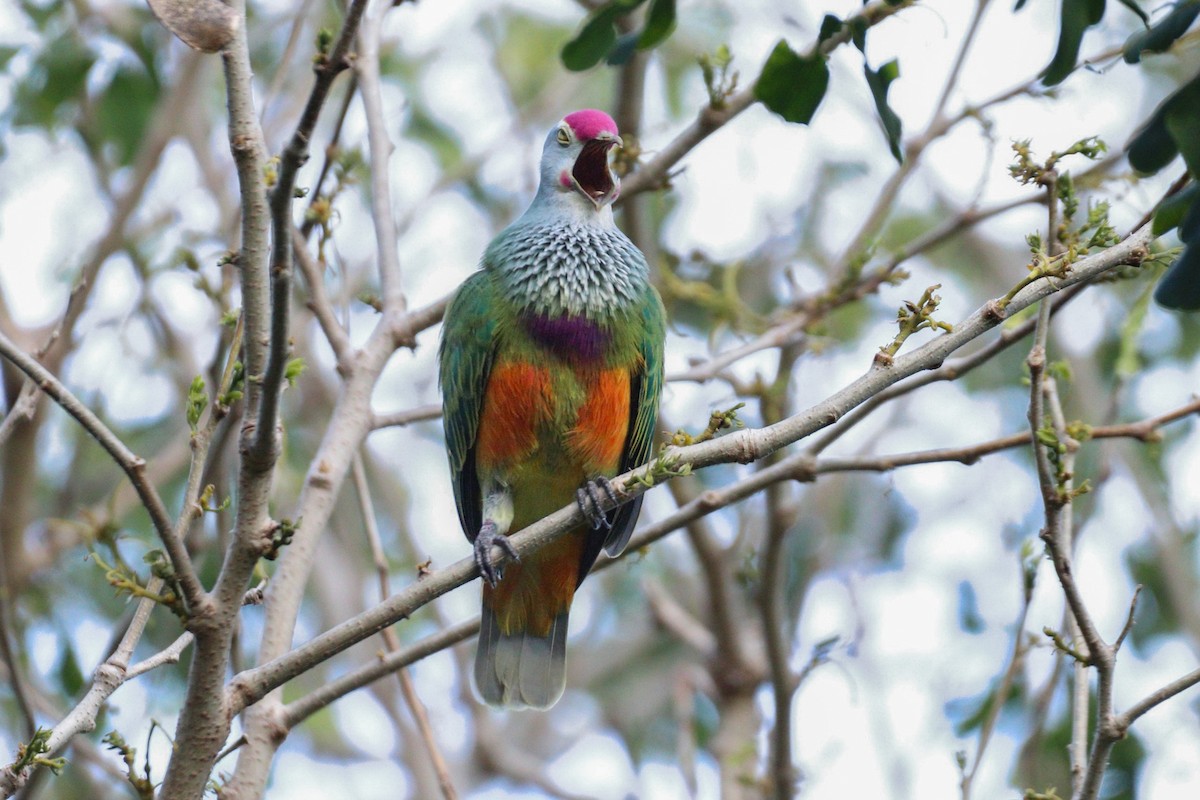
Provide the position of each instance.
(590, 498)
(488, 536)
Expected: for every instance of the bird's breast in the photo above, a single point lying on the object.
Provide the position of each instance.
(570, 337)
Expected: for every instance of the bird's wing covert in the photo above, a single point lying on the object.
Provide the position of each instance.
(465, 359)
(646, 387)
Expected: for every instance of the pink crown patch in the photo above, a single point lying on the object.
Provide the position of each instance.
(588, 123)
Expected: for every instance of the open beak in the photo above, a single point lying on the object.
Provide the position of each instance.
(591, 174)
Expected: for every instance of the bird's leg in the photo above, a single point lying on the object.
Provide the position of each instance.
(489, 535)
(591, 503)
(497, 517)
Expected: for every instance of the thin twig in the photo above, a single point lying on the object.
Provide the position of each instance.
(335, 334)
(1000, 697)
(415, 706)
(264, 450)
(380, 147)
(133, 465)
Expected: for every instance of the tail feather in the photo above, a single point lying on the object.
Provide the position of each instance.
(521, 669)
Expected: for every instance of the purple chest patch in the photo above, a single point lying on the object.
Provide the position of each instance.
(573, 338)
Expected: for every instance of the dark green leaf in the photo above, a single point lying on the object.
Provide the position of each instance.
(70, 676)
(1020, 4)
(1180, 287)
(58, 76)
(41, 13)
(792, 85)
(6, 54)
(858, 33)
(593, 41)
(1172, 211)
(969, 713)
(660, 21)
(1152, 147)
(1189, 228)
(1163, 34)
(1135, 8)
(879, 81)
(829, 26)
(125, 109)
(969, 618)
(1182, 118)
(1077, 17)
(620, 52)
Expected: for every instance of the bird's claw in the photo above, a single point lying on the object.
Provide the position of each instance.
(591, 503)
(488, 536)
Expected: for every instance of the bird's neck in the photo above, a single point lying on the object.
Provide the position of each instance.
(553, 203)
(556, 265)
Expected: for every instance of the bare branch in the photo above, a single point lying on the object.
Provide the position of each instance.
(261, 456)
(132, 464)
(367, 68)
(415, 706)
(403, 418)
(319, 303)
(108, 677)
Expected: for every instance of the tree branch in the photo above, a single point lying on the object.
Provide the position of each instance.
(133, 465)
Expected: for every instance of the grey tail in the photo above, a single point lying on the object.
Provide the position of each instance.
(521, 669)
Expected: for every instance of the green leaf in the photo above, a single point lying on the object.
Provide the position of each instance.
(1162, 34)
(125, 109)
(879, 81)
(70, 676)
(40, 14)
(1171, 129)
(1152, 147)
(1170, 214)
(830, 25)
(6, 55)
(792, 85)
(1135, 8)
(58, 77)
(593, 41)
(1129, 363)
(1180, 287)
(197, 401)
(1189, 228)
(620, 52)
(660, 21)
(1182, 118)
(969, 618)
(858, 32)
(1077, 16)
(293, 370)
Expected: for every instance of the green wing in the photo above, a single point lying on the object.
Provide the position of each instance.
(465, 361)
(646, 387)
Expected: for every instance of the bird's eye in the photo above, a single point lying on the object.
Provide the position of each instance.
(563, 137)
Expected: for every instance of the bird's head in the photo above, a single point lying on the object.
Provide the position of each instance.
(575, 158)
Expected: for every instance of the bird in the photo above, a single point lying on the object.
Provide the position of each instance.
(550, 365)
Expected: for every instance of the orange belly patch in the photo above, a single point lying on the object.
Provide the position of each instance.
(598, 438)
(515, 403)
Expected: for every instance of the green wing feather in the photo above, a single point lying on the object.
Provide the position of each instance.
(465, 361)
(647, 388)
